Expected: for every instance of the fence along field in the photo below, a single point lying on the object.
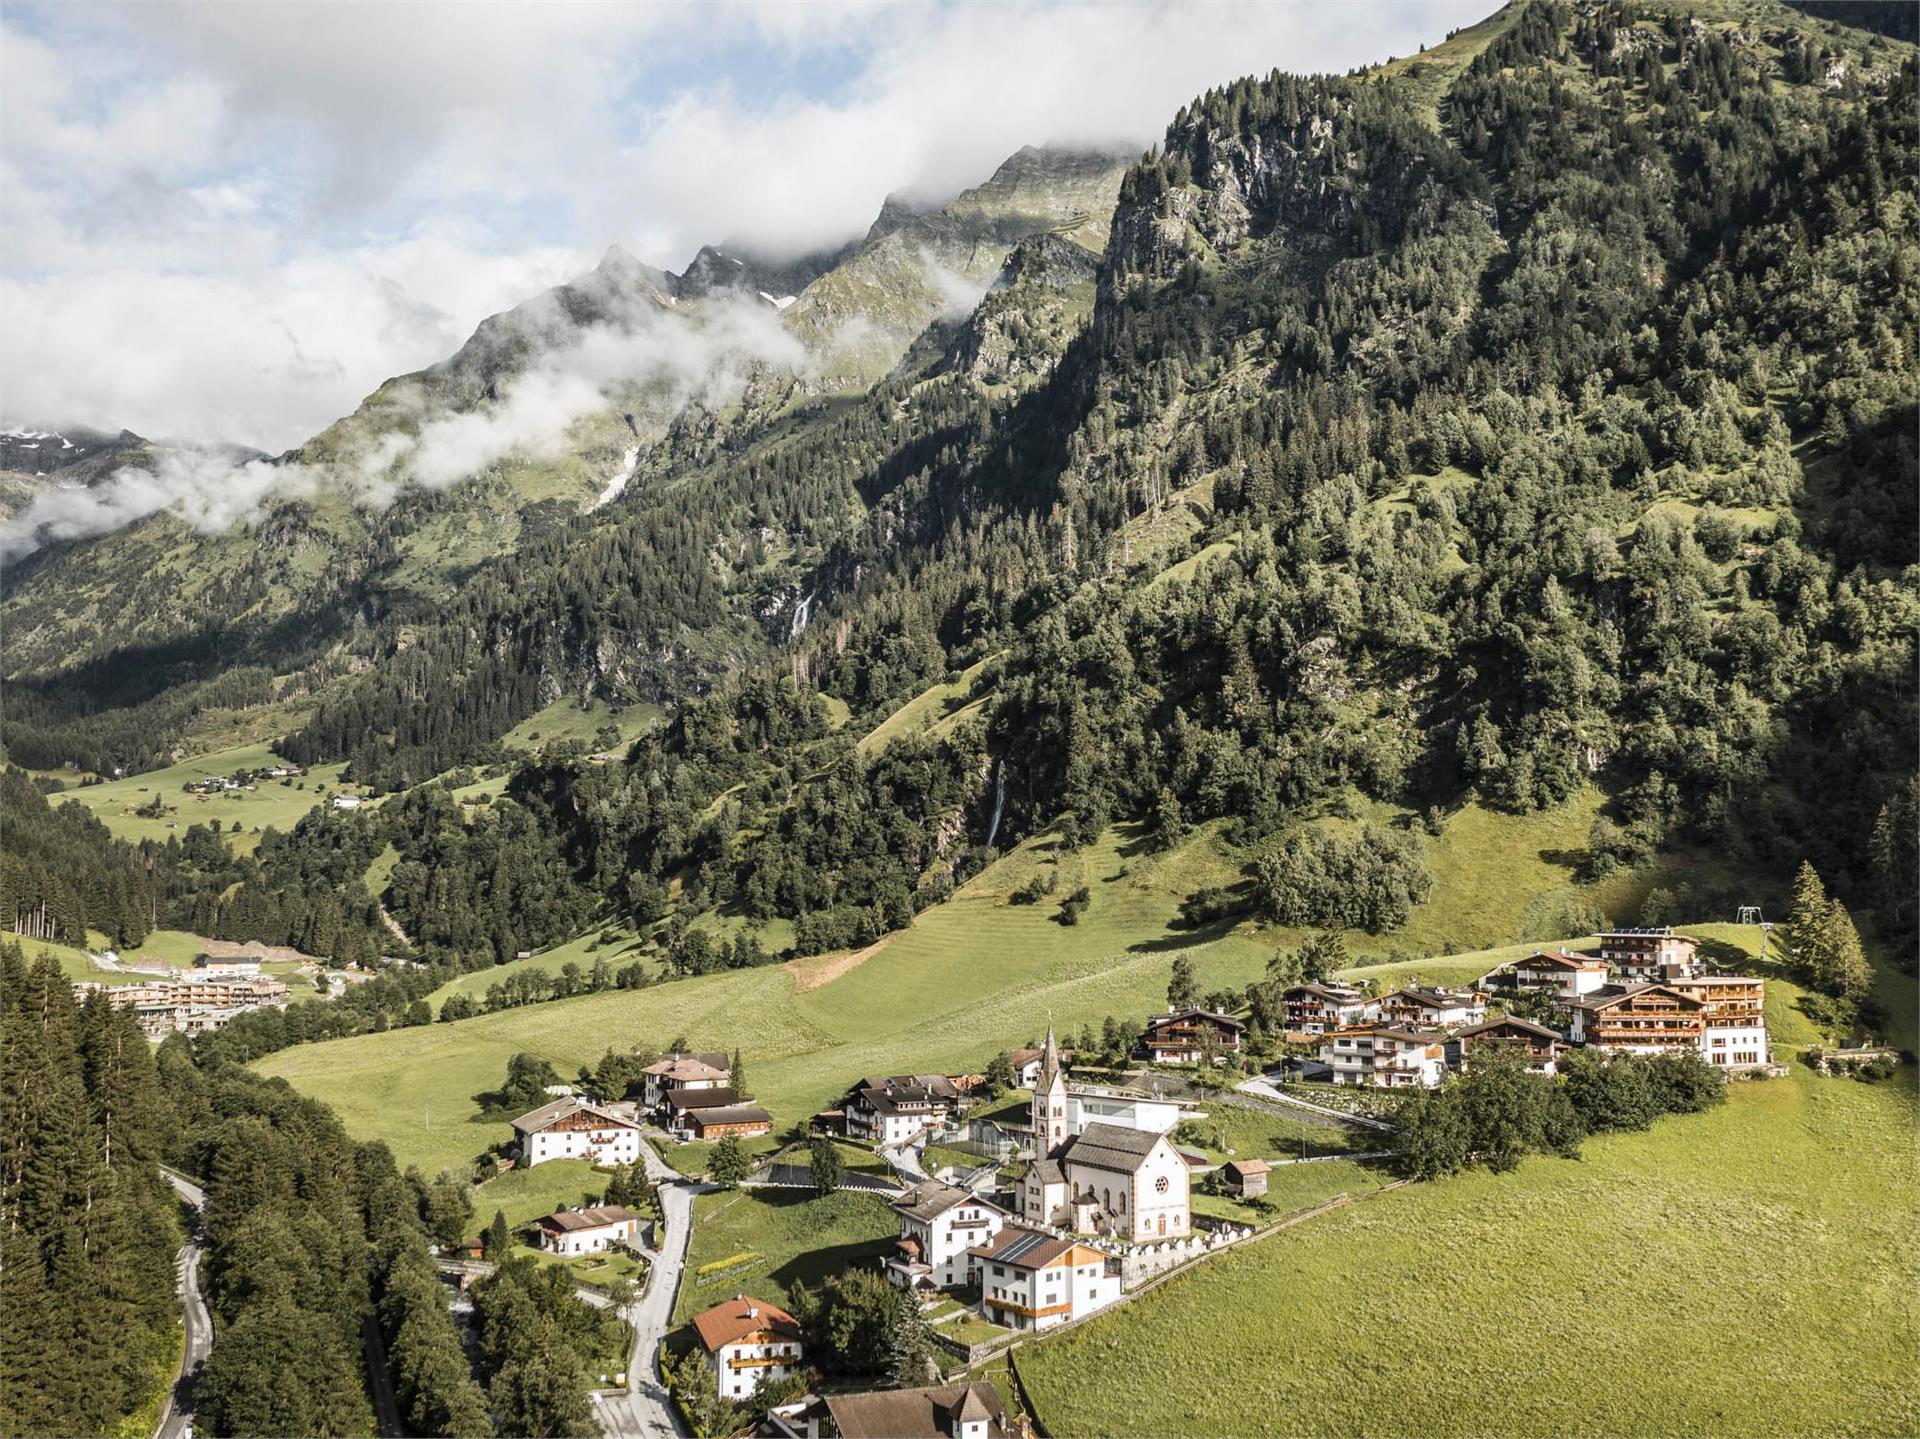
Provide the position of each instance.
(1749, 1271)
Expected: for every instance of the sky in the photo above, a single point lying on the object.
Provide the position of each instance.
(231, 221)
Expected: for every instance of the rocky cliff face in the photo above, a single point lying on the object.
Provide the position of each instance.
(1039, 300)
(919, 267)
(1331, 169)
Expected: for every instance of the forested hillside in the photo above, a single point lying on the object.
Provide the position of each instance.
(1532, 414)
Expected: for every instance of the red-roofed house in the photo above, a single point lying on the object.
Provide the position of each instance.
(749, 1342)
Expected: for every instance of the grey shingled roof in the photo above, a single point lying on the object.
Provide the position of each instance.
(1110, 1147)
(916, 1413)
(931, 1199)
(537, 1119)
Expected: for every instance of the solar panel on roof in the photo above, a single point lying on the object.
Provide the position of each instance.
(1023, 1246)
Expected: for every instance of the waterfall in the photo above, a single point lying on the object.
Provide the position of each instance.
(629, 462)
(802, 612)
(999, 801)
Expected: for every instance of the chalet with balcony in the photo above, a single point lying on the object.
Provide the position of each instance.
(1542, 1046)
(1733, 1018)
(1313, 1009)
(939, 1224)
(1418, 1008)
(748, 1342)
(1650, 955)
(1639, 1019)
(1182, 1036)
(1385, 1056)
(571, 1128)
(1561, 973)
(892, 1109)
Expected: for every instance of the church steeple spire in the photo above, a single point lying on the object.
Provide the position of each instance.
(1049, 1112)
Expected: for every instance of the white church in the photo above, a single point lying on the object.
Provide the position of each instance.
(1098, 1177)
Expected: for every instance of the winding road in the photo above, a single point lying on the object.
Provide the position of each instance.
(177, 1418)
(645, 1408)
(1262, 1088)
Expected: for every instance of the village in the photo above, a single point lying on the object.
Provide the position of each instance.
(227, 979)
(1045, 1191)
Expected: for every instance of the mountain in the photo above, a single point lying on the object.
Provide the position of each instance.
(1525, 418)
(34, 461)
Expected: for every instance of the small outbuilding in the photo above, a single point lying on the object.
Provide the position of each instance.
(1244, 1177)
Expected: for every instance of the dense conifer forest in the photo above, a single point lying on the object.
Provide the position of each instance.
(1556, 429)
(1427, 437)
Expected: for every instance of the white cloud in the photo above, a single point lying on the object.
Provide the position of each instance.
(646, 358)
(232, 221)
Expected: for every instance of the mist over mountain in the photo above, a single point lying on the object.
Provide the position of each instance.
(1397, 516)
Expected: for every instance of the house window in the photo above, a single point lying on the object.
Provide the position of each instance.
(1160, 1185)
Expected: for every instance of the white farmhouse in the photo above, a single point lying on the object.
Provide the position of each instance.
(748, 1342)
(938, 1225)
(1030, 1280)
(575, 1129)
(589, 1231)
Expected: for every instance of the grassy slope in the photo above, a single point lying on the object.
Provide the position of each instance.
(925, 710)
(1781, 1222)
(793, 1234)
(584, 950)
(271, 804)
(971, 976)
(566, 719)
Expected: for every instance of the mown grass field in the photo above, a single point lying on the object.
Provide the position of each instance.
(792, 1235)
(569, 719)
(1750, 1271)
(272, 803)
(971, 977)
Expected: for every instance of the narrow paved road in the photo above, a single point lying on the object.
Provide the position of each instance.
(907, 1162)
(178, 1414)
(645, 1408)
(386, 1408)
(1261, 1089)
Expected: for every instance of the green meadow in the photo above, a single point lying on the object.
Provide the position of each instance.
(970, 977)
(243, 811)
(569, 719)
(762, 1241)
(1750, 1271)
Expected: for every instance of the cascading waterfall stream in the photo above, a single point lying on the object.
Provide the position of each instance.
(999, 801)
(629, 462)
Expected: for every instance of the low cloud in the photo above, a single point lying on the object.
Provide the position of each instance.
(231, 222)
(646, 358)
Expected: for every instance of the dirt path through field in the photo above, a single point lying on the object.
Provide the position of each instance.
(817, 970)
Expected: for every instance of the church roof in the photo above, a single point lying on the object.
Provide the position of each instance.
(1110, 1147)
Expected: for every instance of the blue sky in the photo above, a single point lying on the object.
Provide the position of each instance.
(231, 220)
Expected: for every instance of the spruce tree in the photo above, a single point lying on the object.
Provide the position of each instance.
(1843, 969)
(497, 1245)
(1807, 920)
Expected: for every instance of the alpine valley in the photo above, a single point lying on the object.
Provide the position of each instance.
(1400, 522)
